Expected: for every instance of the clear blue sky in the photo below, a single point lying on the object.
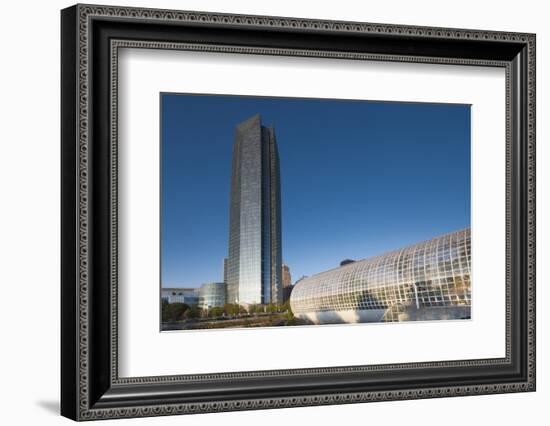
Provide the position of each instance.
(358, 178)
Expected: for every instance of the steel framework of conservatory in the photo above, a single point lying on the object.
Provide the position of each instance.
(429, 274)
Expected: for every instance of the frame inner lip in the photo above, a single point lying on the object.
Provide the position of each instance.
(117, 43)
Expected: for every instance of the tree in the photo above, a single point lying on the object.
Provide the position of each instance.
(289, 315)
(173, 311)
(271, 308)
(231, 309)
(215, 312)
(285, 307)
(256, 309)
(193, 312)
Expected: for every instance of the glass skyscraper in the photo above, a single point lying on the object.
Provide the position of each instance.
(255, 260)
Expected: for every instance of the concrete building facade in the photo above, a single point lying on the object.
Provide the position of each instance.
(189, 296)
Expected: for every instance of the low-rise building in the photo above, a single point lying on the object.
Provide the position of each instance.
(212, 295)
(189, 296)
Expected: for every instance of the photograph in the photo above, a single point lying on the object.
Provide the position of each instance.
(307, 211)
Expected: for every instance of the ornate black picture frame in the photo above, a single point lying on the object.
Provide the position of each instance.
(90, 38)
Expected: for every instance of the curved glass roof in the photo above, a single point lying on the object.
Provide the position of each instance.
(431, 273)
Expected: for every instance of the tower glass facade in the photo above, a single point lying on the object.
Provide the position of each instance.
(254, 259)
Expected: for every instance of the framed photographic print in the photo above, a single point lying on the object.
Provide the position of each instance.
(263, 212)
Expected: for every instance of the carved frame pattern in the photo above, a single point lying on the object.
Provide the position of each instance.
(85, 14)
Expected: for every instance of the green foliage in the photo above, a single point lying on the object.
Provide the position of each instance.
(231, 309)
(285, 307)
(271, 308)
(253, 309)
(215, 312)
(173, 311)
(193, 312)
